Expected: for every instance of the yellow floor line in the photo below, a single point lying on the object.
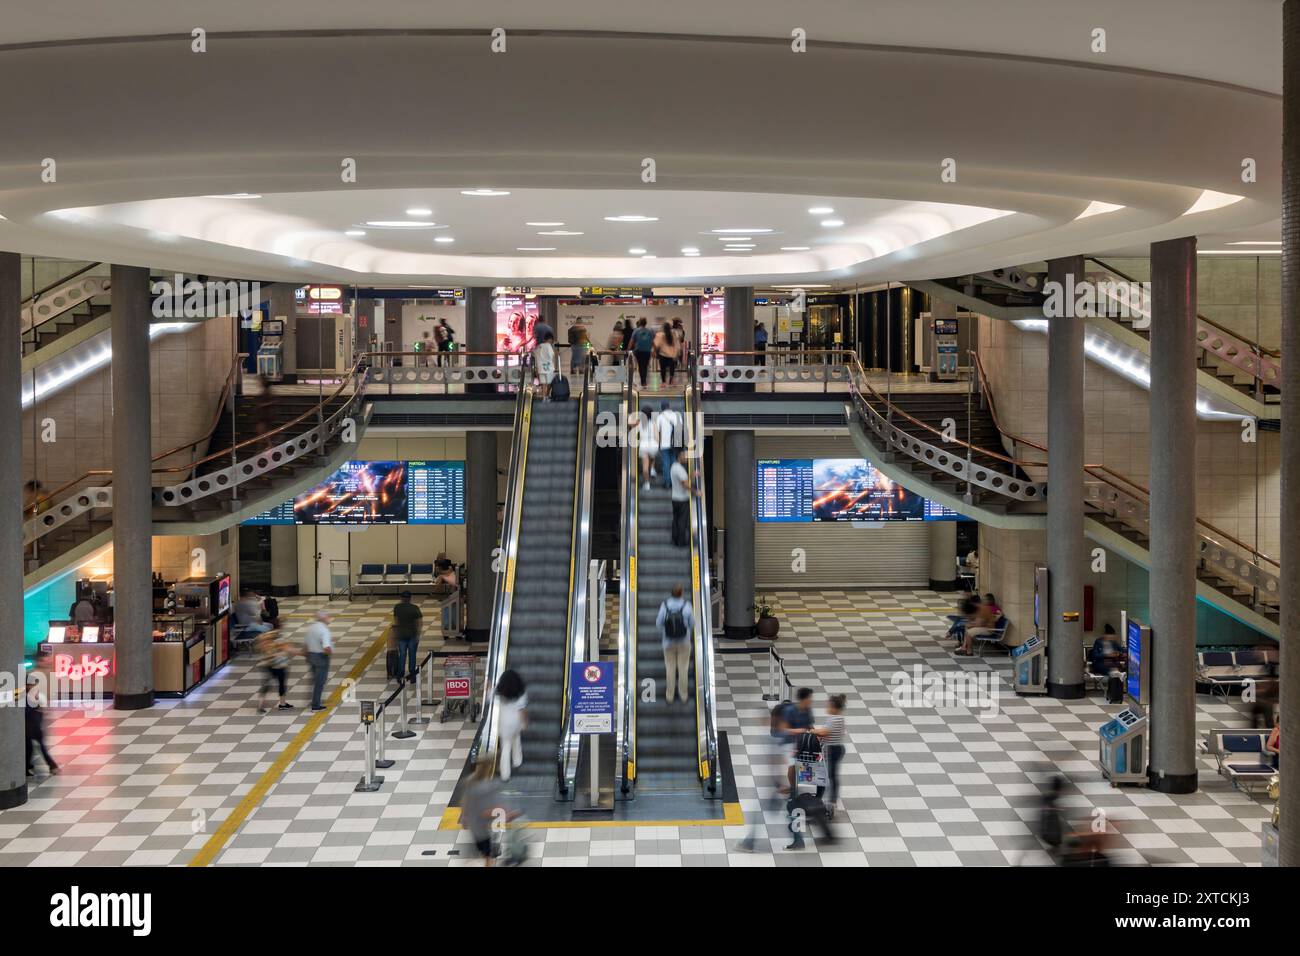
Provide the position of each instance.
(217, 842)
(874, 610)
(732, 815)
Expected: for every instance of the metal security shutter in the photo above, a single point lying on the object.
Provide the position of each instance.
(836, 555)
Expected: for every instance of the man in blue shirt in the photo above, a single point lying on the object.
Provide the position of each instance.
(675, 625)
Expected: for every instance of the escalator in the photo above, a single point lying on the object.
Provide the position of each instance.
(545, 541)
(667, 747)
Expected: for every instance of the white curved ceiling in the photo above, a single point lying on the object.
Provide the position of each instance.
(1041, 130)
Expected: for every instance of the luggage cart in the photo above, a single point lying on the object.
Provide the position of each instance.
(458, 687)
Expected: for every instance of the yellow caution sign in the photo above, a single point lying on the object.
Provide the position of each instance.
(631, 572)
(510, 576)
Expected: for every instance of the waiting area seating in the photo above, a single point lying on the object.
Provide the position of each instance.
(1221, 672)
(1243, 757)
(374, 579)
(995, 637)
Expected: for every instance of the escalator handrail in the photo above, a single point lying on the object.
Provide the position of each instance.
(627, 591)
(498, 644)
(706, 720)
(579, 576)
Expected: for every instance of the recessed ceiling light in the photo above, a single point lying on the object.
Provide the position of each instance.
(485, 192)
(355, 232)
(235, 196)
(821, 210)
(419, 211)
(1238, 252)
(1240, 242)
(689, 249)
(534, 248)
(832, 223)
(795, 248)
(692, 255)
(734, 238)
(559, 232)
(631, 218)
(737, 248)
(649, 257)
(443, 239)
(740, 231)
(804, 285)
(543, 224)
(402, 224)
(636, 251)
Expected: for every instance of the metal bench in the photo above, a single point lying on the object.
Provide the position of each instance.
(1242, 757)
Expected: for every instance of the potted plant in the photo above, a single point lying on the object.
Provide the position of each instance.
(767, 625)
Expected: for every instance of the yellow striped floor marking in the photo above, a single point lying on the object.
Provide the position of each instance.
(217, 842)
(870, 610)
(732, 816)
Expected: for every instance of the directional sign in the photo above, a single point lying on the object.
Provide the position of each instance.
(592, 695)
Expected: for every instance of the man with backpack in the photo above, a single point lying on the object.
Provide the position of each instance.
(642, 346)
(675, 626)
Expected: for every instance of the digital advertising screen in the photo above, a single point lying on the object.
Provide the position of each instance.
(836, 489)
(378, 492)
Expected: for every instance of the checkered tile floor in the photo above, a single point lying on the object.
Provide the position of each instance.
(920, 786)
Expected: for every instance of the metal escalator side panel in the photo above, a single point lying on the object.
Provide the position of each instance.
(579, 556)
(628, 581)
(502, 599)
(705, 689)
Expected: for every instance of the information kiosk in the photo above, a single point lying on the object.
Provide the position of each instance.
(945, 356)
(270, 355)
(1123, 739)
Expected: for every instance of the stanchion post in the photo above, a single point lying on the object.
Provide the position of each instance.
(429, 701)
(382, 762)
(370, 781)
(402, 733)
(419, 717)
(772, 693)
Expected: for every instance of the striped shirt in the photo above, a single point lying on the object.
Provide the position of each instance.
(835, 726)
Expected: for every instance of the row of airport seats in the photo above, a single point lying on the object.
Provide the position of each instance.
(1222, 672)
(372, 578)
(1243, 757)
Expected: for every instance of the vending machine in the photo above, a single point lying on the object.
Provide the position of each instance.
(270, 355)
(945, 359)
(1123, 739)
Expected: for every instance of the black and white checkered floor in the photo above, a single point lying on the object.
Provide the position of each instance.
(944, 786)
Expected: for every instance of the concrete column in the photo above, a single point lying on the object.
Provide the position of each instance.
(1065, 542)
(1289, 668)
(281, 303)
(284, 560)
(1173, 516)
(480, 332)
(738, 506)
(480, 531)
(738, 330)
(943, 555)
(13, 762)
(132, 502)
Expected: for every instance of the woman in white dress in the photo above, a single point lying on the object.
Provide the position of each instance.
(544, 364)
(648, 442)
(512, 697)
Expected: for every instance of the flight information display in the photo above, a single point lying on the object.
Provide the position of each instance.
(379, 492)
(836, 489)
(784, 491)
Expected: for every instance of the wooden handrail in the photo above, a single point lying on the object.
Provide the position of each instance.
(993, 412)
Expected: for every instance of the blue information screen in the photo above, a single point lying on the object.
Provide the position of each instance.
(836, 489)
(1133, 638)
(378, 492)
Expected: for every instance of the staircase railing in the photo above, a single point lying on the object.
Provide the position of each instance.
(61, 295)
(1262, 364)
(249, 459)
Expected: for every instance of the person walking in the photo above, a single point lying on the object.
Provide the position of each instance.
(682, 489)
(408, 622)
(831, 735)
(318, 645)
(275, 653)
(666, 349)
(760, 343)
(545, 362)
(34, 724)
(512, 695)
(679, 339)
(616, 344)
(647, 437)
(668, 427)
(445, 336)
(642, 347)
(675, 627)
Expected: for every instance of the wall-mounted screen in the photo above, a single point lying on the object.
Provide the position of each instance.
(379, 492)
(836, 489)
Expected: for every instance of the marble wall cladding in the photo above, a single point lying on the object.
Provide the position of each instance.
(174, 558)
(1237, 482)
(1007, 562)
(187, 373)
